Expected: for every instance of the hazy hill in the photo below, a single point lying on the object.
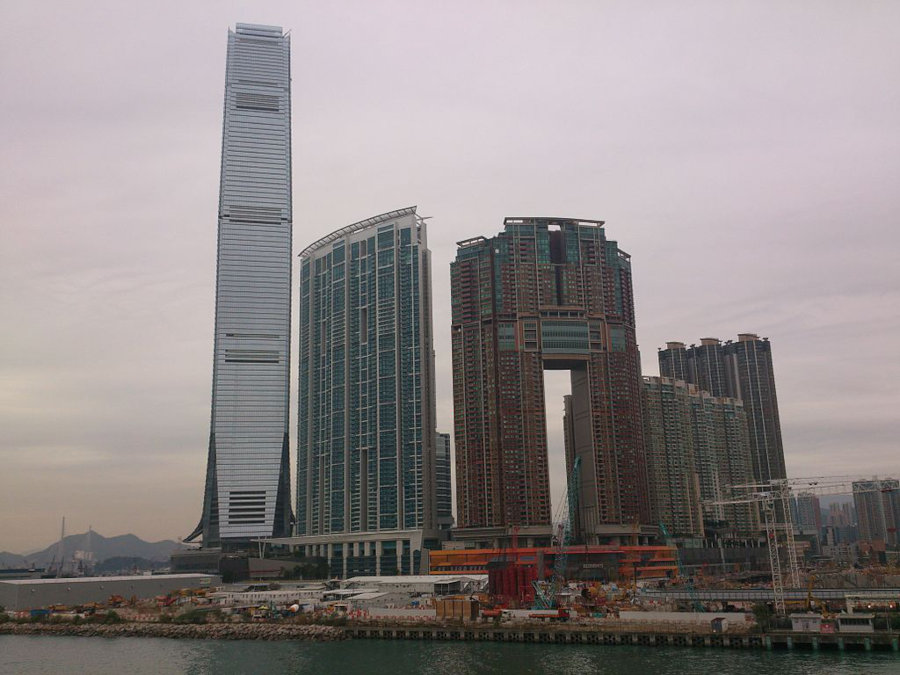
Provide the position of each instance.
(11, 560)
(122, 546)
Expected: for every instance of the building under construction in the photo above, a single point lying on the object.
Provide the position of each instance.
(513, 571)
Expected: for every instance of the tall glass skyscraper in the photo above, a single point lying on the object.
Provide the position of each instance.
(366, 431)
(442, 482)
(248, 476)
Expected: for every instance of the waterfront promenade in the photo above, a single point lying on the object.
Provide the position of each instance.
(561, 634)
(586, 635)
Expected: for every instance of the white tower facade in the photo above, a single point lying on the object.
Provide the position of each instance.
(247, 491)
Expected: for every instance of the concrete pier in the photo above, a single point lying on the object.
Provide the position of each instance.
(589, 635)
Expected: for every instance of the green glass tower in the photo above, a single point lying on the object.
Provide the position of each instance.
(366, 432)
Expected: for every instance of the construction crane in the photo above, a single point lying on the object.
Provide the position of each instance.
(688, 582)
(546, 595)
(769, 496)
(780, 534)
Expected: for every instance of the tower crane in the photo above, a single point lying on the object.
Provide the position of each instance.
(774, 493)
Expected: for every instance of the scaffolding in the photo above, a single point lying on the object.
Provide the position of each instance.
(773, 499)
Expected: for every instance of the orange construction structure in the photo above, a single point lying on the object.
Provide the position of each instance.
(607, 563)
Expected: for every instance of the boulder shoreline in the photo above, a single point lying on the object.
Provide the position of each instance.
(208, 631)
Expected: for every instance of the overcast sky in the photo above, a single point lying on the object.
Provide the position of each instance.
(746, 154)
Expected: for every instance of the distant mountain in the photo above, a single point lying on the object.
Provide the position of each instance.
(123, 546)
(11, 560)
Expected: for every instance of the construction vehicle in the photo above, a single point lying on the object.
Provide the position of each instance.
(561, 614)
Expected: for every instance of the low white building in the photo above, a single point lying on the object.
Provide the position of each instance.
(856, 623)
(426, 584)
(806, 622)
(279, 598)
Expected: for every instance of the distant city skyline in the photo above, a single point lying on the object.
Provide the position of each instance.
(747, 155)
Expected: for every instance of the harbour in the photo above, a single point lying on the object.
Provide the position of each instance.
(451, 632)
(30, 655)
(781, 640)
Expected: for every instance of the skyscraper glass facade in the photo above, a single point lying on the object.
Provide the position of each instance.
(247, 481)
(365, 449)
(442, 482)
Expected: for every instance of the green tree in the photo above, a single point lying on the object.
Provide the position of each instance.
(763, 615)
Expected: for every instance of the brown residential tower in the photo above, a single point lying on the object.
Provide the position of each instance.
(546, 293)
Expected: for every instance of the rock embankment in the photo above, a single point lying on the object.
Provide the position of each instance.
(208, 631)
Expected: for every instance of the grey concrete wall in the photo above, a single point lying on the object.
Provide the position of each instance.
(734, 618)
(26, 595)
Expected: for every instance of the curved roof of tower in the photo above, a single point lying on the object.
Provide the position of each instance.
(355, 227)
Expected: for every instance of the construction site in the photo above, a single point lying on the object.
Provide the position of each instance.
(572, 581)
(623, 592)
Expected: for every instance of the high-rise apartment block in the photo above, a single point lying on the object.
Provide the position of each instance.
(877, 505)
(442, 482)
(247, 480)
(546, 293)
(742, 370)
(840, 525)
(696, 445)
(806, 512)
(671, 449)
(366, 429)
(840, 515)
